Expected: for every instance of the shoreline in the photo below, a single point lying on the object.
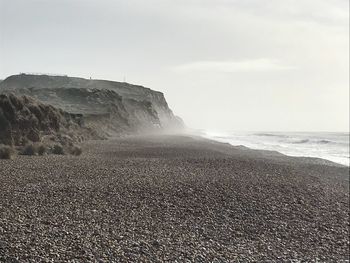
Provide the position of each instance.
(291, 151)
(172, 197)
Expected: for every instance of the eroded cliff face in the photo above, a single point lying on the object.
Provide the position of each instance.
(108, 106)
(24, 119)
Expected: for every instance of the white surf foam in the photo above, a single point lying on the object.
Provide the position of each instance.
(329, 146)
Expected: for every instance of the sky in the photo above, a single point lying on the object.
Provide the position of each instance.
(223, 65)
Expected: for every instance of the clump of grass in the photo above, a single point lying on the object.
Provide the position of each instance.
(57, 149)
(75, 150)
(6, 152)
(41, 149)
(29, 149)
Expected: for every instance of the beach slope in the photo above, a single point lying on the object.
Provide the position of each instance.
(172, 198)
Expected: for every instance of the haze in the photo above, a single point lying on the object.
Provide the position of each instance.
(222, 64)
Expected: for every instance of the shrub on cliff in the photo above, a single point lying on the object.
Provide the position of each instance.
(57, 149)
(24, 119)
(41, 149)
(75, 150)
(6, 152)
(29, 149)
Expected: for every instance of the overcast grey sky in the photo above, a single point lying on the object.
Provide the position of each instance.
(271, 65)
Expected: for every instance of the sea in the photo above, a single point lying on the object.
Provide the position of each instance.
(332, 146)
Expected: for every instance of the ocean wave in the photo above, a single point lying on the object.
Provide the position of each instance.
(301, 141)
(325, 141)
(271, 135)
(313, 141)
(328, 146)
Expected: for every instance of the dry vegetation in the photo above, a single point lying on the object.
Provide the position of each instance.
(42, 149)
(6, 152)
(29, 149)
(57, 149)
(75, 150)
(34, 128)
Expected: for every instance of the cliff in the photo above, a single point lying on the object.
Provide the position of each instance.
(25, 120)
(108, 106)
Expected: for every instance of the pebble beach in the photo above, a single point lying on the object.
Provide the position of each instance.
(172, 199)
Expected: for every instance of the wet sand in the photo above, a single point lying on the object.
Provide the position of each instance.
(175, 199)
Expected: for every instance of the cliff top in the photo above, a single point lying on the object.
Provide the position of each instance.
(124, 89)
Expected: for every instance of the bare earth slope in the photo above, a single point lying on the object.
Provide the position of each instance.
(172, 198)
